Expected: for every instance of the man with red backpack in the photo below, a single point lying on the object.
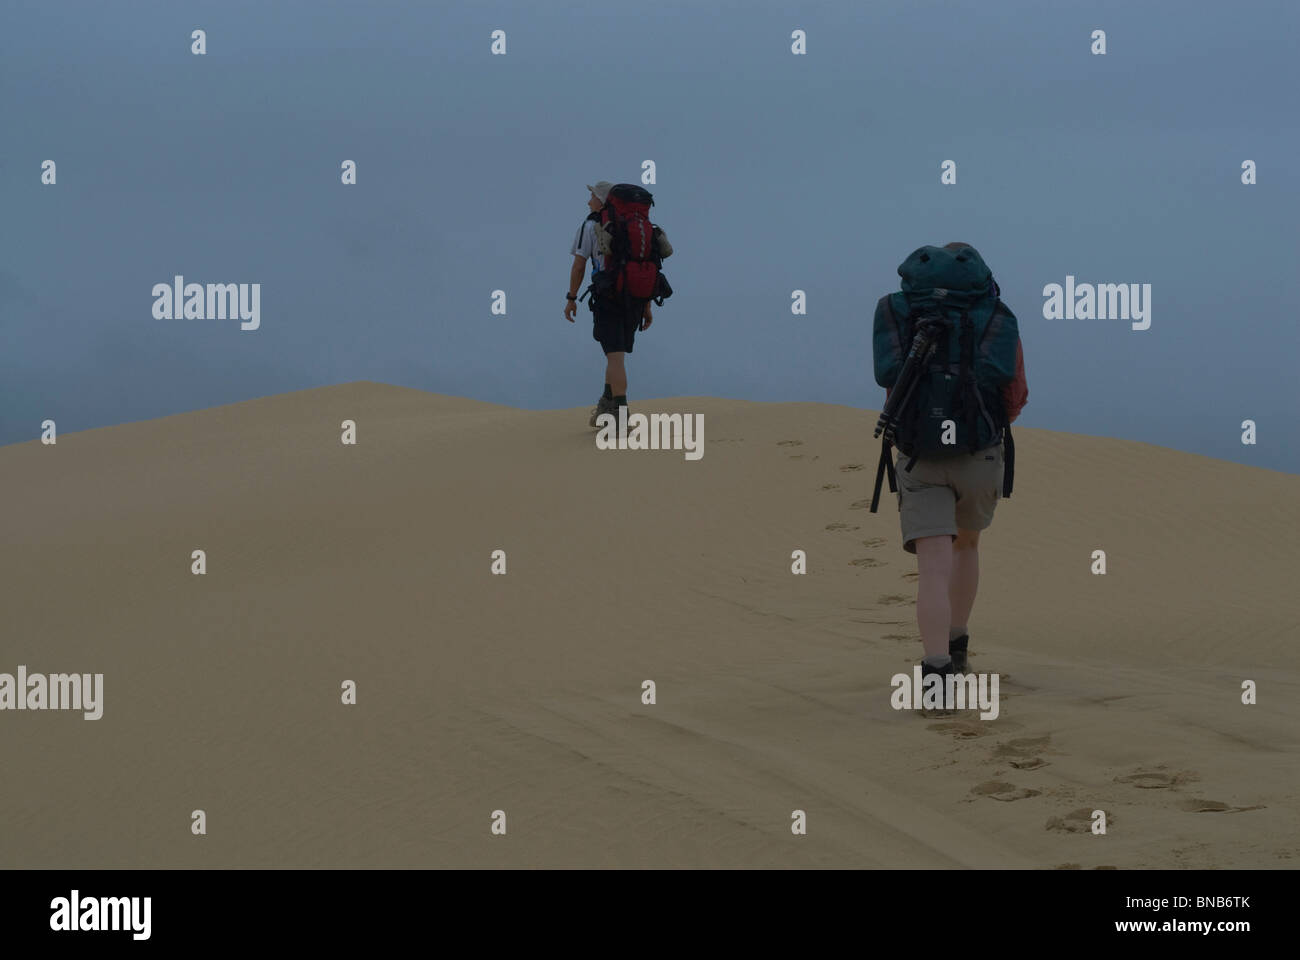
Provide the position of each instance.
(626, 252)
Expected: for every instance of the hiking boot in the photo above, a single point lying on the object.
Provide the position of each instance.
(620, 412)
(957, 650)
(947, 710)
(603, 405)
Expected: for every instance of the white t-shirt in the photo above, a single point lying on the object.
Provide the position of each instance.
(584, 245)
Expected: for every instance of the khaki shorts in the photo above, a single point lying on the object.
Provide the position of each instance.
(939, 496)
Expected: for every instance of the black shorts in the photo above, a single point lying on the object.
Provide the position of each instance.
(615, 321)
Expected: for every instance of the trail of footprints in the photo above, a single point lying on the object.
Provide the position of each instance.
(1023, 755)
(844, 526)
(1027, 754)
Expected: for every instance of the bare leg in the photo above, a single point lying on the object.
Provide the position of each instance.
(616, 373)
(965, 576)
(934, 561)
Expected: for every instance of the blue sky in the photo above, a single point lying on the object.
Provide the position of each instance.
(775, 173)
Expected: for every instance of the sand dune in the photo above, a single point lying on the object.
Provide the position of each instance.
(522, 692)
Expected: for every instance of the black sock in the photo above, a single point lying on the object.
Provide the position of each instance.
(608, 394)
(620, 400)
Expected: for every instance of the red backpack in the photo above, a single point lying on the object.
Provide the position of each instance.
(634, 259)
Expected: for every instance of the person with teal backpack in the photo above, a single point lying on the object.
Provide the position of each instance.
(948, 352)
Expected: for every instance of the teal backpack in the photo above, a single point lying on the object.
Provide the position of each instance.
(955, 407)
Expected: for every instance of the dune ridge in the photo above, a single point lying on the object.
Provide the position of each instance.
(522, 692)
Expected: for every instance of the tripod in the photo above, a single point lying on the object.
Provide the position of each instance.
(925, 339)
(928, 331)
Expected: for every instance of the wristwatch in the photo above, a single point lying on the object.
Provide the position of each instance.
(570, 296)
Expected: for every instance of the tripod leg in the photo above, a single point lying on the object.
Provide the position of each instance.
(886, 464)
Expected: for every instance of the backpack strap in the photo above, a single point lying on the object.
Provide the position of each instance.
(1008, 461)
(895, 323)
(593, 216)
(886, 465)
(1008, 442)
(966, 383)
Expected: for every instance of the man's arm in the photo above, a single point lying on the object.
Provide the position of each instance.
(583, 246)
(576, 273)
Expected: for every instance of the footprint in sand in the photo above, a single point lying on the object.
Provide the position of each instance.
(1022, 747)
(795, 456)
(874, 542)
(911, 576)
(1195, 805)
(1007, 792)
(1156, 778)
(902, 637)
(832, 486)
(894, 599)
(1028, 763)
(867, 562)
(848, 467)
(840, 526)
(1078, 821)
(789, 443)
(961, 729)
(861, 505)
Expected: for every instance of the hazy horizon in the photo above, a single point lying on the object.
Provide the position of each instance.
(775, 173)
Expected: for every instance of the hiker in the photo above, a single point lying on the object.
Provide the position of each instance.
(952, 423)
(626, 253)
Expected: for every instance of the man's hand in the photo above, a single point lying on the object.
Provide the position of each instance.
(646, 317)
(570, 309)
